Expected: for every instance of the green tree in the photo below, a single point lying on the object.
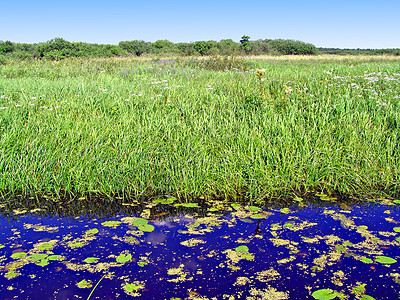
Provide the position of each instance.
(245, 41)
(135, 47)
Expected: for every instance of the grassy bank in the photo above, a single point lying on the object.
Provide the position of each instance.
(193, 128)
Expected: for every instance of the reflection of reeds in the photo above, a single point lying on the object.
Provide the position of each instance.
(129, 126)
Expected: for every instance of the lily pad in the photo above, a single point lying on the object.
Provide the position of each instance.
(36, 257)
(254, 208)
(139, 222)
(90, 260)
(257, 216)
(247, 221)
(164, 201)
(359, 289)
(11, 274)
(385, 260)
(1, 246)
(285, 210)
(235, 205)
(76, 245)
(19, 255)
(56, 257)
(288, 225)
(146, 228)
(123, 258)
(396, 229)
(45, 246)
(190, 205)
(42, 263)
(247, 256)
(366, 297)
(366, 260)
(142, 263)
(363, 227)
(84, 284)
(111, 223)
(324, 294)
(242, 248)
(131, 287)
(92, 231)
(396, 201)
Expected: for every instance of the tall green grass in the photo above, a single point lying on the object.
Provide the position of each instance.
(191, 128)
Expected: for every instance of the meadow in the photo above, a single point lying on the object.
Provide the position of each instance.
(214, 127)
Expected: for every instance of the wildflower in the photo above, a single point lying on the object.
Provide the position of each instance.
(127, 100)
(288, 89)
(18, 105)
(3, 107)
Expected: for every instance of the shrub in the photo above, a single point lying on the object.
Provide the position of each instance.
(6, 47)
(135, 47)
(204, 47)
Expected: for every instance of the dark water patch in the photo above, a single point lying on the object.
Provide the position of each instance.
(164, 251)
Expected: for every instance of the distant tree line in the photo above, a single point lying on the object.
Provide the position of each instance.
(358, 51)
(58, 48)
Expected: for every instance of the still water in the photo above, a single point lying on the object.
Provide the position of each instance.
(166, 250)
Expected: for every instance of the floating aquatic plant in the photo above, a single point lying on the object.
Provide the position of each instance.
(258, 216)
(111, 223)
(18, 255)
(123, 258)
(36, 257)
(366, 260)
(84, 284)
(139, 222)
(91, 260)
(385, 260)
(324, 294)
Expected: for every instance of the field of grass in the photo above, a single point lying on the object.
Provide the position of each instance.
(201, 127)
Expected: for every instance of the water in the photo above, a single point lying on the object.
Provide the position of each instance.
(159, 251)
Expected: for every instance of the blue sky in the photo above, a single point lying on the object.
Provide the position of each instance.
(341, 24)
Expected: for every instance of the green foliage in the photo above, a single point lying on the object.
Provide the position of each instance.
(228, 47)
(245, 41)
(285, 47)
(123, 258)
(204, 47)
(324, 294)
(186, 48)
(59, 49)
(6, 47)
(163, 47)
(208, 118)
(135, 47)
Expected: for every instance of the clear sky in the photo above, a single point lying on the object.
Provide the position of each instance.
(324, 23)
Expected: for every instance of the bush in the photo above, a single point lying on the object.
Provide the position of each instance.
(163, 46)
(135, 47)
(6, 47)
(228, 47)
(204, 47)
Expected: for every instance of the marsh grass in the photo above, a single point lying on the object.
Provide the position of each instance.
(143, 127)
